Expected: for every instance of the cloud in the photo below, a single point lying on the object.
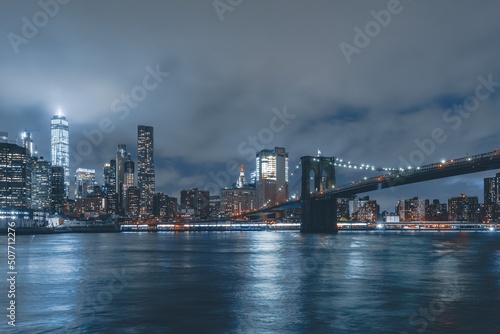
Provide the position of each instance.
(227, 77)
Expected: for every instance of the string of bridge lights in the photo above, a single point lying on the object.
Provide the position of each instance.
(341, 163)
(280, 188)
(338, 163)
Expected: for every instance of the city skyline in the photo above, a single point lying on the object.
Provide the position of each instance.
(209, 99)
(130, 177)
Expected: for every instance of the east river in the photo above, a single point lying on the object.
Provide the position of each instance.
(255, 282)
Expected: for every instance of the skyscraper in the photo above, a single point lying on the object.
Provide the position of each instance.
(57, 194)
(145, 168)
(15, 177)
(59, 142)
(490, 190)
(121, 156)
(128, 179)
(196, 200)
(272, 176)
(84, 182)
(28, 143)
(41, 184)
(463, 208)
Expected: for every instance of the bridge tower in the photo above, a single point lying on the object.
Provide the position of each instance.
(318, 215)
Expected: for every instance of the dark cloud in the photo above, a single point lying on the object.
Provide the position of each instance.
(226, 78)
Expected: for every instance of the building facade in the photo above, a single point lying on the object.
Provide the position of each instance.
(235, 201)
(410, 210)
(196, 200)
(59, 143)
(271, 176)
(464, 209)
(146, 167)
(41, 184)
(58, 193)
(121, 157)
(15, 177)
(84, 182)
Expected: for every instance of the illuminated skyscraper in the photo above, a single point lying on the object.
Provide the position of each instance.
(84, 182)
(41, 184)
(57, 193)
(145, 168)
(272, 176)
(121, 156)
(15, 177)
(28, 143)
(490, 190)
(128, 180)
(59, 142)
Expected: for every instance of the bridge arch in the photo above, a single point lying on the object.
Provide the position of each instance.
(323, 169)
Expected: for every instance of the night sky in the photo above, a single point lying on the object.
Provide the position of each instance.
(234, 65)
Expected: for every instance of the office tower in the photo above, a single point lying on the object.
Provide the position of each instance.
(58, 193)
(146, 168)
(106, 170)
(59, 143)
(413, 209)
(133, 201)
(272, 176)
(84, 182)
(41, 184)
(121, 157)
(110, 177)
(490, 190)
(128, 177)
(463, 209)
(497, 187)
(164, 207)
(15, 177)
(196, 200)
(28, 143)
(437, 211)
(235, 201)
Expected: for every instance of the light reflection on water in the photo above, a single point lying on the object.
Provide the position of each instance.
(257, 282)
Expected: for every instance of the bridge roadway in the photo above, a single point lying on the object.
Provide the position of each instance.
(454, 167)
(468, 165)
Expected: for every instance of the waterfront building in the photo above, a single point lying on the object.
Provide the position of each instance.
(84, 182)
(145, 168)
(490, 190)
(410, 210)
(133, 203)
(164, 207)
(59, 142)
(196, 200)
(342, 209)
(58, 194)
(364, 209)
(437, 211)
(236, 200)
(464, 209)
(128, 177)
(121, 157)
(15, 177)
(41, 184)
(272, 176)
